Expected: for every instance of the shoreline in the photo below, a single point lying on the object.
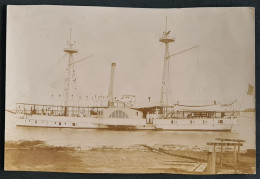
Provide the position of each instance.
(37, 156)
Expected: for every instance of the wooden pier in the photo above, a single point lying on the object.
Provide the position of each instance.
(236, 143)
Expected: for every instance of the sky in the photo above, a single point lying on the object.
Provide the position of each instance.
(219, 69)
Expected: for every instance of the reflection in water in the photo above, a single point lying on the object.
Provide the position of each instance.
(86, 138)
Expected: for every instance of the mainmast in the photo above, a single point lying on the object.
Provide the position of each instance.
(70, 72)
(165, 80)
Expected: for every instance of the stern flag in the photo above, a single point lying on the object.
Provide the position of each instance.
(250, 89)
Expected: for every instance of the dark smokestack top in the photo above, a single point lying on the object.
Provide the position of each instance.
(113, 64)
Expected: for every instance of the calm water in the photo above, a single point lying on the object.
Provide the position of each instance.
(88, 138)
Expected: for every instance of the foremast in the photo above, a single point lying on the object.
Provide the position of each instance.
(71, 78)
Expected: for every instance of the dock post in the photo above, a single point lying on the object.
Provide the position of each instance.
(238, 152)
(235, 152)
(211, 167)
(235, 158)
(221, 153)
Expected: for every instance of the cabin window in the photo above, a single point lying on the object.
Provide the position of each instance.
(172, 121)
(59, 123)
(73, 124)
(35, 122)
(137, 113)
(220, 121)
(118, 114)
(191, 121)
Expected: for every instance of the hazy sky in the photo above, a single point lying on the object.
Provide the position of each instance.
(220, 68)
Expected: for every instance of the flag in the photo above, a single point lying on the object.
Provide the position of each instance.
(250, 89)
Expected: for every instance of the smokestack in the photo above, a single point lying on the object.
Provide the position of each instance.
(111, 85)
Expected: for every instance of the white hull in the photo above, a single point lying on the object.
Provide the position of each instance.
(224, 124)
(206, 124)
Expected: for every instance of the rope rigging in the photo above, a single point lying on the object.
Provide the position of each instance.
(48, 73)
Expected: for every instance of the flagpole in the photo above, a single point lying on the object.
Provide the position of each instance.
(242, 99)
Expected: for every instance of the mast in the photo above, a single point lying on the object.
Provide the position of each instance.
(68, 81)
(165, 79)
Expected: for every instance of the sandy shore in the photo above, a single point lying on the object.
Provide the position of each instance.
(36, 156)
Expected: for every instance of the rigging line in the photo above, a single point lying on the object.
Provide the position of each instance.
(142, 63)
(198, 73)
(75, 88)
(50, 71)
(170, 69)
(184, 50)
(81, 60)
(47, 75)
(170, 94)
(75, 85)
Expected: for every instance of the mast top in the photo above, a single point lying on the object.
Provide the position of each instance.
(70, 44)
(165, 38)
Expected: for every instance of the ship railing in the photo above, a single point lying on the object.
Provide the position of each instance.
(200, 115)
(57, 110)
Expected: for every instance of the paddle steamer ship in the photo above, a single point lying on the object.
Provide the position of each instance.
(123, 114)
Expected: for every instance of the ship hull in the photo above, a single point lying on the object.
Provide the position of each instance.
(208, 124)
(225, 124)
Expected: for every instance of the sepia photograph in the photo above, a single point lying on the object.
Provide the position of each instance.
(130, 90)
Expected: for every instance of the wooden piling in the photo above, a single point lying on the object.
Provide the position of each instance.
(238, 153)
(221, 157)
(235, 153)
(211, 166)
(235, 159)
